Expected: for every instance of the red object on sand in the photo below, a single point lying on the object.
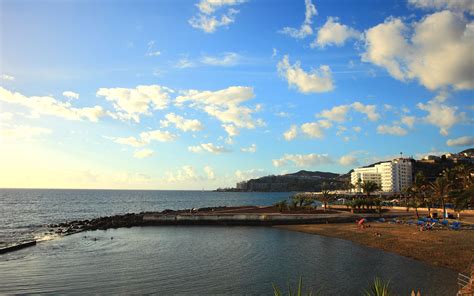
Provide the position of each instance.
(361, 221)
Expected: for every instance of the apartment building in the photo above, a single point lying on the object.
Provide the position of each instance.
(391, 176)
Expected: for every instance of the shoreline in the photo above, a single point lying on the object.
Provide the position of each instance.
(441, 247)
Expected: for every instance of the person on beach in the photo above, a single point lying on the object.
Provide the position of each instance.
(361, 223)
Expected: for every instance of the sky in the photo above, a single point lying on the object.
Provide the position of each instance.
(203, 94)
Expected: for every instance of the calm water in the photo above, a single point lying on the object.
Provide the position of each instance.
(185, 260)
(209, 260)
(24, 213)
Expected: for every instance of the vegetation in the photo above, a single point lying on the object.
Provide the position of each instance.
(298, 292)
(377, 288)
(454, 185)
(281, 205)
(369, 187)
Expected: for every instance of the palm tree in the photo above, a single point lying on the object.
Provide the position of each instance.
(368, 187)
(441, 188)
(324, 198)
(418, 192)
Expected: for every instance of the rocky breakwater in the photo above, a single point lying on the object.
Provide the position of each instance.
(118, 221)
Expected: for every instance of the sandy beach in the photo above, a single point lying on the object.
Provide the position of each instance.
(447, 248)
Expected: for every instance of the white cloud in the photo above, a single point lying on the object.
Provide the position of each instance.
(181, 123)
(462, 141)
(209, 173)
(6, 116)
(186, 173)
(302, 160)
(71, 95)
(315, 81)
(21, 132)
(394, 130)
(50, 106)
(348, 160)
(130, 103)
(210, 23)
(226, 59)
(249, 174)
(337, 113)
(334, 33)
(305, 29)
(437, 51)
(369, 110)
(7, 77)
(151, 51)
(231, 130)
(185, 63)
(145, 138)
(455, 5)
(357, 129)
(251, 149)
(441, 115)
(225, 106)
(291, 133)
(144, 153)
(210, 6)
(209, 147)
(315, 129)
(408, 120)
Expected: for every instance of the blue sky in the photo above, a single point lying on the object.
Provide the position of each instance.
(202, 94)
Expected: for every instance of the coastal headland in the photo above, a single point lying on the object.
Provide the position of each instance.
(392, 231)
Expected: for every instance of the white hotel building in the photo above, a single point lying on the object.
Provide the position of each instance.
(391, 176)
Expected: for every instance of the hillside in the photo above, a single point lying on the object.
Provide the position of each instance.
(313, 180)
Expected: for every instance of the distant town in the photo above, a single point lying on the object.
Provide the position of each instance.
(392, 176)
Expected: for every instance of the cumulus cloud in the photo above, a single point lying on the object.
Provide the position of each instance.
(249, 174)
(6, 116)
(334, 33)
(291, 133)
(225, 106)
(437, 50)
(226, 59)
(71, 95)
(348, 160)
(145, 138)
(455, 5)
(185, 173)
(441, 115)
(50, 106)
(209, 173)
(315, 129)
(181, 123)
(144, 153)
(394, 130)
(207, 20)
(315, 81)
(462, 141)
(7, 77)
(369, 110)
(251, 149)
(408, 120)
(305, 29)
(302, 160)
(131, 103)
(210, 6)
(21, 132)
(231, 130)
(208, 147)
(337, 113)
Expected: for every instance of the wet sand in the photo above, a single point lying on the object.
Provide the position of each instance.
(447, 248)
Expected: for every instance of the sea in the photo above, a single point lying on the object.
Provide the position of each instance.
(185, 260)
